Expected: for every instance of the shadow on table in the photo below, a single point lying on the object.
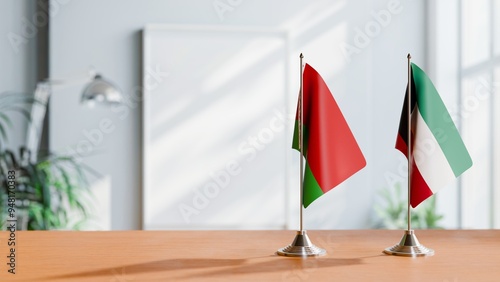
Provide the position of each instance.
(154, 266)
(289, 266)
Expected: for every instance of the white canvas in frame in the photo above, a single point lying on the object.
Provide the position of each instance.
(215, 129)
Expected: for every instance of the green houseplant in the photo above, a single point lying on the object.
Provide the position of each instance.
(392, 212)
(49, 193)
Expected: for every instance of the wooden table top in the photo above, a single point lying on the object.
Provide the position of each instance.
(353, 255)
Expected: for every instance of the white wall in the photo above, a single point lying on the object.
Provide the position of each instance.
(467, 89)
(369, 86)
(444, 68)
(17, 57)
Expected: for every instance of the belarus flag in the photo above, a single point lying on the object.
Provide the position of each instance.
(438, 153)
(331, 151)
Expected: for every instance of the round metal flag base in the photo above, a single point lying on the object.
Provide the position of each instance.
(301, 247)
(409, 247)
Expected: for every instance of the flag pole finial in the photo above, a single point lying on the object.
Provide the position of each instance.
(301, 56)
(409, 56)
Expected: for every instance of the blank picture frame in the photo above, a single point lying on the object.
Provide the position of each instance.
(216, 127)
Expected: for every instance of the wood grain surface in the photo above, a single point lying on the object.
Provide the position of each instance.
(353, 255)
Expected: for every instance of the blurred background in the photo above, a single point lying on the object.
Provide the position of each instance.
(202, 136)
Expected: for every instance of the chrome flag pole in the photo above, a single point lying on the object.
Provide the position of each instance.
(409, 245)
(301, 140)
(301, 245)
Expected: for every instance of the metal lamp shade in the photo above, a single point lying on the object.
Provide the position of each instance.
(101, 91)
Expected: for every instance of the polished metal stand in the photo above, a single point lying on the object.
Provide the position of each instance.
(301, 247)
(409, 247)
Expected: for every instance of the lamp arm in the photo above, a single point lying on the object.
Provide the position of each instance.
(39, 108)
(38, 111)
(57, 82)
(98, 88)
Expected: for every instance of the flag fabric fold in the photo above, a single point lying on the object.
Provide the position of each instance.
(330, 149)
(438, 153)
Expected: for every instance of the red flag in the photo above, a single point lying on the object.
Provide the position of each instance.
(331, 152)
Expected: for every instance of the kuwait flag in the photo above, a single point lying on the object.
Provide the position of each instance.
(438, 153)
(330, 149)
